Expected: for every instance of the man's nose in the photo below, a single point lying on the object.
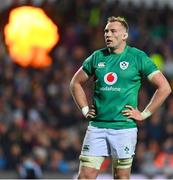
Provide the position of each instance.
(108, 34)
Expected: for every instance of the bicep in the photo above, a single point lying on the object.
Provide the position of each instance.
(80, 77)
(159, 80)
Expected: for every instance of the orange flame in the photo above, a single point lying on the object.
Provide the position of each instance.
(30, 35)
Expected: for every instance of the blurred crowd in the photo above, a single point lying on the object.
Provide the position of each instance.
(40, 126)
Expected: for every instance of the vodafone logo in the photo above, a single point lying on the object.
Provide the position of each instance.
(110, 78)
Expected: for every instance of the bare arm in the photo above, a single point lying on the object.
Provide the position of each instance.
(77, 90)
(163, 90)
(79, 95)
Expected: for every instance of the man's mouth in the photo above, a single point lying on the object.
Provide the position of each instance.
(108, 41)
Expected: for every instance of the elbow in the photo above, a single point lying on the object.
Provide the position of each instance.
(167, 90)
(71, 86)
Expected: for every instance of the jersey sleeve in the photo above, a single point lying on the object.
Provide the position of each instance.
(147, 66)
(87, 65)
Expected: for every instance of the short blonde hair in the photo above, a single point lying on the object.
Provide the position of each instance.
(119, 19)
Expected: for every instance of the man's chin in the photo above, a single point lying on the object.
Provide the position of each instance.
(111, 48)
(109, 45)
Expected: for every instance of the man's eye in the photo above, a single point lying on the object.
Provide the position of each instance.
(113, 31)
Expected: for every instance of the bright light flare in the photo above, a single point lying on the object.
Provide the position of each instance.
(30, 35)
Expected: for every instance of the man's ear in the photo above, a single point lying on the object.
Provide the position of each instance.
(125, 36)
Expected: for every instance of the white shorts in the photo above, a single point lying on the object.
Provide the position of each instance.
(109, 142)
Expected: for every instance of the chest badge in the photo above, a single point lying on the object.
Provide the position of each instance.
(124, 65)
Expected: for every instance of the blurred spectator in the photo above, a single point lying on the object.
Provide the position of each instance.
(148, 168)
(57, 162)
(29, 169)
(155, 127)
(164, 159)
(3, 161)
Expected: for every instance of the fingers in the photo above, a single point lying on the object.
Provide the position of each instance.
(93, 106)
(128, 112)
(92, 110)
(125, 111)
(90, 116)
(91, 113)
(132, 113)
(129, 107)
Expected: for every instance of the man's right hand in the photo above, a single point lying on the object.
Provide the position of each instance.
(91, 113)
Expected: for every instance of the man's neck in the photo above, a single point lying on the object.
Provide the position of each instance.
(118, 50)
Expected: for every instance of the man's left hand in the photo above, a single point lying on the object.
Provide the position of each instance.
(132, 113)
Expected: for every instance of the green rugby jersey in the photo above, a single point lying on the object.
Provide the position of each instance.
(117, 82)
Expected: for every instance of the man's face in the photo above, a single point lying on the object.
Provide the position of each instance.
(115, 34)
